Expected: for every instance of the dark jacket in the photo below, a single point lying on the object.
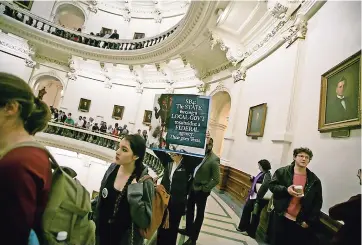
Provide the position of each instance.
(311, 202)
(350, 213)
(140, 198)
(208, 175)
(181, 179)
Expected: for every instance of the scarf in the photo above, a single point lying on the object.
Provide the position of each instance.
(254, 183)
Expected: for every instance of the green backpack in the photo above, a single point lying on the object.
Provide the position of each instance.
(67, 208)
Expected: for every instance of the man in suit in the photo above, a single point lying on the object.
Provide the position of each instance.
(340, 107)
(205, 177)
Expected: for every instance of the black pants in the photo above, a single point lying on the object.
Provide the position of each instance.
(169, 236)
(193, 226)
(287, 232)
(249, 222)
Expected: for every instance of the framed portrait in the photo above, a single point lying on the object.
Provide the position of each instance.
(147, 117)
(24, 4)
(256, 121)
(118, 112)
(340, 100)
(138, 35)
(94, 194)
(84, 105)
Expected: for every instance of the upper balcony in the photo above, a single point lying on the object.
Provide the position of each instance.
(45, 34)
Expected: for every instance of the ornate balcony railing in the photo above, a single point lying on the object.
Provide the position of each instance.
(100, 139)
(9, 10)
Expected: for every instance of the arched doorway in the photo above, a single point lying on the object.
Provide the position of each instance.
(219, 116)
(69, 16)
(53, 88)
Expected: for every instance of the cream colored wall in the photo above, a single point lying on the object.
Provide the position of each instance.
(289, 82)
(334, 34)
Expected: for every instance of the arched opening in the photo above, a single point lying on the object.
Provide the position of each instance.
(52, 89)
(69, 16)
(219, 116)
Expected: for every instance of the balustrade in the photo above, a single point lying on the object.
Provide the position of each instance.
(100, 139)
(9, 10)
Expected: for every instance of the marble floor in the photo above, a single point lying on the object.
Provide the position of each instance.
(219, 225)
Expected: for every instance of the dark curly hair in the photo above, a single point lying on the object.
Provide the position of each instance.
(265, 165)
(305, 150)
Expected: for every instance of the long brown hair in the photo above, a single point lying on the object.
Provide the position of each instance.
(33, 112)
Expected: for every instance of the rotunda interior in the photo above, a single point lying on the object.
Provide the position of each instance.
(264, 74)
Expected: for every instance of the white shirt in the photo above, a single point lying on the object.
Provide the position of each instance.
(199, 166)
(174, 167)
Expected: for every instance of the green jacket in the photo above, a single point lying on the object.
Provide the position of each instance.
(208, 175)
(139, 196)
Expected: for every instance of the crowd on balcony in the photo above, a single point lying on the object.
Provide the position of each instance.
(60, 116)
(79, 38)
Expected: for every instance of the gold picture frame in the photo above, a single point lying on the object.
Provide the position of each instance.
(340, 97)
(25, 4)
(84, 105)
(147, 117)
(118, 112)
(256, 120)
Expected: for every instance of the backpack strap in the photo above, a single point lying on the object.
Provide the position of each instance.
(35, 144)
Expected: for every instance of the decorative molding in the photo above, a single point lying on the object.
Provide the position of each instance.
(239, 74)
(296, 31)
(72, 76)
(16, 48)
(276, 9)
(53, 73)
(41, 58)
(30, 63)
(170, 90)
(71, 64)
(93, 8)
(203, 87)
(216, 70)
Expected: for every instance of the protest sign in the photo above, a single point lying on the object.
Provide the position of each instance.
(179, 123)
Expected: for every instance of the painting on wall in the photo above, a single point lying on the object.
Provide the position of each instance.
(25, 4)
(147, 117)
(118, 112)
(341, 96)
(138, 35)
(84, 105)
(256, 121)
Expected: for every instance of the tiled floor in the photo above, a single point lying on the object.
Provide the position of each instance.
(220, 224)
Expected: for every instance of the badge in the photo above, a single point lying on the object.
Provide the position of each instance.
(104, 193)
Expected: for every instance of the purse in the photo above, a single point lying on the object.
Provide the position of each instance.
(268, 195)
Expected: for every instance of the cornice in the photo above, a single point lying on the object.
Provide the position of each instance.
(189, 28)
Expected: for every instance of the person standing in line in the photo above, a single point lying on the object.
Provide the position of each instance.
(350, 213)
(178, 170)
(205, 177)
(124, 205)
(255, 200)
(25, 172)
(297, 199)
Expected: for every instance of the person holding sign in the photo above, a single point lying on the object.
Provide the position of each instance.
(205, 177)
(177, 181)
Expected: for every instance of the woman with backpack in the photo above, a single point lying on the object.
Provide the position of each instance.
(25, 172)
(124, 206)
